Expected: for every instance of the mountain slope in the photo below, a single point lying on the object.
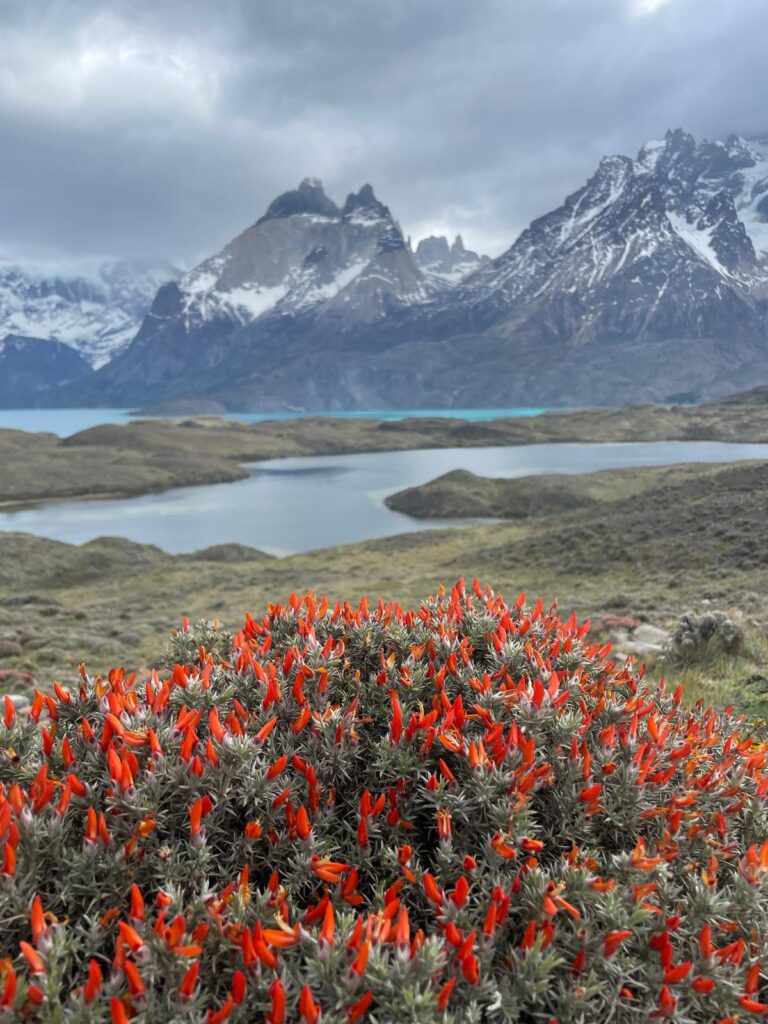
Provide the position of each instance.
(649, 283)
(647, 250)
(96, 308)
(30, 365)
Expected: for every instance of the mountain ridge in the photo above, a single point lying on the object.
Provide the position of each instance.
(648, 282)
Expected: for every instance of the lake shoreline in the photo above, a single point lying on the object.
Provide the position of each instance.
(295, 504)
(19, 505)
(121, 460)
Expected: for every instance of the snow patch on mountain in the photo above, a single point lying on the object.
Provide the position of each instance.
(365, 219)
(248, 303)
(752, 200)
(700, 241)
(316, 293)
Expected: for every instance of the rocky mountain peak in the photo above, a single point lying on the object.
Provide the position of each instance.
(308, 198)
(363, 208)
(432, 249)
(697, 179)
(648, 248)
(612, 175)
(679, 140)
(364, 197)
(449, 262)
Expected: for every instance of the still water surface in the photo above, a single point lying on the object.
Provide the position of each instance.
(65, 422)
(291, 505)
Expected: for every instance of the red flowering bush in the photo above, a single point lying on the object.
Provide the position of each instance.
(465, 812)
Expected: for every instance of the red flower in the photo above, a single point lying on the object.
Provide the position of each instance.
(613, 940)
(308, 1008)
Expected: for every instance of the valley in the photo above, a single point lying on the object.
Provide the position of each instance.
(643, 293)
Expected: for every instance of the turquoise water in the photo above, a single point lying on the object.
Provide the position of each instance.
(395, 414)
(60, 421)
(290, 505)
(70, 421)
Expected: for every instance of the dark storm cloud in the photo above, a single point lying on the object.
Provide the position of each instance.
(139, 127)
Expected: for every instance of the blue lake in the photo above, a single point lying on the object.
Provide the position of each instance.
(291, 505)
(70, 421)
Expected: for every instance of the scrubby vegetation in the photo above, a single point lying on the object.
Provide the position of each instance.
(706, 637)
(463, 812)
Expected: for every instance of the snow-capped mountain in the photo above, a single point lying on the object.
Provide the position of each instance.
(30, 365)
(305, 252)
(448, 263)
(649, 283)
(307, 266)
(95, 307)
(648, 248)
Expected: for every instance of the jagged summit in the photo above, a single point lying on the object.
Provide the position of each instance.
(309, 198)
(447, 262)
(437, 247)
(307, 264)
(649, 249)
(691, 174)
(364, 209)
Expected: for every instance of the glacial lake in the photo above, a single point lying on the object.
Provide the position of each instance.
(291, 505)
(65, 422)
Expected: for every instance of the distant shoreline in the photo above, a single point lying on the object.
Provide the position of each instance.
(77, 420)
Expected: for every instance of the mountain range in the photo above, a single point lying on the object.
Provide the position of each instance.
(96, 307)
(649, 283)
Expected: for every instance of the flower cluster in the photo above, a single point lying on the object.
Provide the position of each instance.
(463, 812)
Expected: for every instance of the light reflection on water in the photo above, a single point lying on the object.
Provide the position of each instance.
(297, 504)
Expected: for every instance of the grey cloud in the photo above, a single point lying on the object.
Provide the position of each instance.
(138, 128)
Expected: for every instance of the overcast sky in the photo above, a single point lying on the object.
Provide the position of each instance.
(164, 127)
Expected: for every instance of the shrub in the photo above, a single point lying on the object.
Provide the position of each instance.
(464, 812)
(704, 638)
